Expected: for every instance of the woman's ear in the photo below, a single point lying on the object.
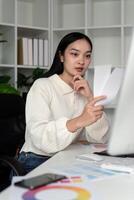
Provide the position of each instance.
(61, 57)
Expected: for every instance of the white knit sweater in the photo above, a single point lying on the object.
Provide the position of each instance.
(50, 103)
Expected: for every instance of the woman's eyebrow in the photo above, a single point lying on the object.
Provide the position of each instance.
(73, 49)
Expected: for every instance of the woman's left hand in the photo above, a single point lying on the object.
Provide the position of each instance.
(82, 87)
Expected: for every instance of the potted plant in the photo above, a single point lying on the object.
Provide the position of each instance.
(5, 86)
(25, 82)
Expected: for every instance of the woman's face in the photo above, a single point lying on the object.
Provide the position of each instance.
(76, 58)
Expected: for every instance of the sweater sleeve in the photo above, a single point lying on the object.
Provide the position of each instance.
(97, 132)
(47, 134)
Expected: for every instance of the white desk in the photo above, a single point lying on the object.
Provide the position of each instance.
(118, 188)
(61, 158)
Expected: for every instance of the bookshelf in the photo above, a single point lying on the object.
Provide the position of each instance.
(22, 19)
(108, 23)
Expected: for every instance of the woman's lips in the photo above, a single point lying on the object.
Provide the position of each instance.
(79, 69)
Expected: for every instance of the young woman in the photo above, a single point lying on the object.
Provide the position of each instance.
(60, 108)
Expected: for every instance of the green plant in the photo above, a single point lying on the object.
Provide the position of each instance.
(5, 86)
(4, 79)
(37, 73)
(27, 81)
(23, 80)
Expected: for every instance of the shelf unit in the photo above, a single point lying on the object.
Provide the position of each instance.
(108, 23)
(21, 18)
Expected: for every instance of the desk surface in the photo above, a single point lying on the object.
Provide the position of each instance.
(62, 158)
(120, 188)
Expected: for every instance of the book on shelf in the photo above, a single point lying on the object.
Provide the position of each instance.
(35, 51)
(45, 57)
(30, 51)
(23, 51)
(40, 52)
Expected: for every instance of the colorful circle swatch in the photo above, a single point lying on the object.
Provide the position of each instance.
(80, 193)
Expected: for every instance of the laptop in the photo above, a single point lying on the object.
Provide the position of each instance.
(121, 141)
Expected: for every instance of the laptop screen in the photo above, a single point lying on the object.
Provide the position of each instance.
(122, 135)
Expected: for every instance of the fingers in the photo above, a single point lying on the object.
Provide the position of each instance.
(99, 113)
(95, 111)
(97, 99)
(96, 114)
(97, 108)
(77, 78)
(93, 115)
(76, 81)
(79, 83)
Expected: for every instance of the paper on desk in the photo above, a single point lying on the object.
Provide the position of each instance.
(110, 86)
(91, 170)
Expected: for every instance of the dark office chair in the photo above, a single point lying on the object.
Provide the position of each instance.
(12, 131)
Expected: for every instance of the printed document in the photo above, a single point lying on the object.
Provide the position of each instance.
(107, 82)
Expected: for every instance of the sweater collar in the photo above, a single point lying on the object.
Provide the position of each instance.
(64, 87)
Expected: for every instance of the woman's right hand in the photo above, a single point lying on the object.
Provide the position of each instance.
(91, 112)
(90, 115)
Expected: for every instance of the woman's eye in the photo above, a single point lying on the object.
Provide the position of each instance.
(88, 56)
(74, 54)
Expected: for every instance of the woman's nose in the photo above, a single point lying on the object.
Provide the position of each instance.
(81, 60)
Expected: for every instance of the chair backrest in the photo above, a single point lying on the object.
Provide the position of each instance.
(12, 123)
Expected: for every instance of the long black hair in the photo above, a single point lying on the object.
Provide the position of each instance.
(57, 65)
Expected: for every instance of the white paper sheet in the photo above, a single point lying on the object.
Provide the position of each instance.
(101, 75)
(110, 86)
